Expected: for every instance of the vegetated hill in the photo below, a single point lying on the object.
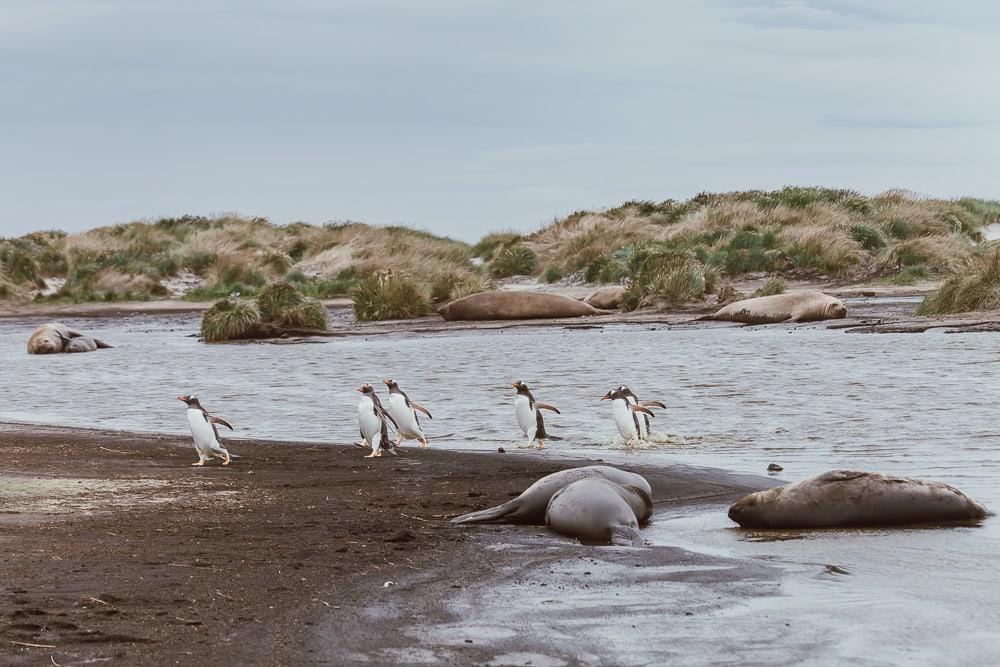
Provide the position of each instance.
(220, 255)
(678, 251)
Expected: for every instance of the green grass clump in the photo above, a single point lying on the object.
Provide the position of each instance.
(674, 286)
(389, 296)
(513, 260)
(230, 319)
(552, 274)
(975, 288)
(494, 241)
(868, 236)
(281, 304)
(771, 287)
(908, 275)
(220, 291)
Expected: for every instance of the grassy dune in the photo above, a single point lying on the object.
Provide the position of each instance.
(668, 252)
(136, 261)
(674, 251)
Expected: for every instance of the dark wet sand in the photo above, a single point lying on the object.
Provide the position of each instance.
(114, 548)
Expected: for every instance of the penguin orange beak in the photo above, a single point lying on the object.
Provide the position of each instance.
(360, 390)
(182, 398)
(387, 382)
(606, 397)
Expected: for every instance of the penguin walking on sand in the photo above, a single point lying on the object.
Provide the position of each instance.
(374, 422)
(529, 416)
(207, 442)
(404, 412)
(644, 425)
(630, 418)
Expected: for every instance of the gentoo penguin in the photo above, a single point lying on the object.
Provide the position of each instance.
(644, 425)
(529, 416)
(627, 415)
(374, 422)
(206, 437)
(404, 412)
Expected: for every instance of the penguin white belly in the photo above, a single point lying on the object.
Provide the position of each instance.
(405, 417)
(525, 416)
(370, 423)
(625, 421)
(202, 432)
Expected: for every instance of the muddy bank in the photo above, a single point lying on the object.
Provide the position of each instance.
(114, 548)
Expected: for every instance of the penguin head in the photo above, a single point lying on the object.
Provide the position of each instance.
(520, 386)
(191, 400)
(366, 389)
(613, 395)
(391, 384)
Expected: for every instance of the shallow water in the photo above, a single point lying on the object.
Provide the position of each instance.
(808, 398)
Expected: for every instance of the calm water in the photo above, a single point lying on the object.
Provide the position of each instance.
(738, 398)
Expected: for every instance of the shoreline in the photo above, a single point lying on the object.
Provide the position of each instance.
(118, 549)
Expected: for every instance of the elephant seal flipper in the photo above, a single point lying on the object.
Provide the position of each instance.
(497, 513)
(626, 536)
(101, 345)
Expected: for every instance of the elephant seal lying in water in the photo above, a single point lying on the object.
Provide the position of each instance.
(54, 337)
(802, 306)
(599, 511)
(530, 506)
(841, 498)
(514, 305)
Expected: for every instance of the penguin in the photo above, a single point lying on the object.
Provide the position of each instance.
(404, 412)
(374, 422)
(629, 417)
(207, 442)
(644, 425)
(529, 416)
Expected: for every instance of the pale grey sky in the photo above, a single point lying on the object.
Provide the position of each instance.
(462, 117)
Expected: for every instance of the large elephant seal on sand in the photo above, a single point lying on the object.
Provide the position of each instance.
(599, 511)
(54, 337)
(802, 306)
(847, 498)
(514, 305)
(530, 506)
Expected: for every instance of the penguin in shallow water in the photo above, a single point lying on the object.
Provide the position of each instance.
(629, 417)
(644, 425)
(404, 412)
(373, 421)
(207, 442)
(529, 416)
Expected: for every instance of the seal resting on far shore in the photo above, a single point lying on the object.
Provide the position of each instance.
(530, 507)
(53, 337)
(606, 298)
(842, 498)
(802, 306)
(599, 511)
(514, 305)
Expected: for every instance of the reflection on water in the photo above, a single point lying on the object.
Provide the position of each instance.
(738, 398)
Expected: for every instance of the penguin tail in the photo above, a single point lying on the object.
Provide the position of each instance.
(627, 536)
(488, 515)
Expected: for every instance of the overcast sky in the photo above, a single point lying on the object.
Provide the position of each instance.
(461, 117)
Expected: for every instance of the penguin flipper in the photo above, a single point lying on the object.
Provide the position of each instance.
(220, 420)
(546, 406)
(639, 408)
(653, 404)
(417, 406)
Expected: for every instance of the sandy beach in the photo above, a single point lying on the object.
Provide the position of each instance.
(116, 549)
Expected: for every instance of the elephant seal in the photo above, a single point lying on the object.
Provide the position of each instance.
(802, 306)
(514, 305)
(606, 298)
(54, 337)
(841, 498)
(530, 506)
(599, 511)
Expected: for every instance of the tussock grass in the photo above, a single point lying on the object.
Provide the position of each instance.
(802, 231)
(513, 260)
(230, 319)
(771, 287)
(281, 304)
(494, 241)
(447, 287)
(389, 296)
(976, 287)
